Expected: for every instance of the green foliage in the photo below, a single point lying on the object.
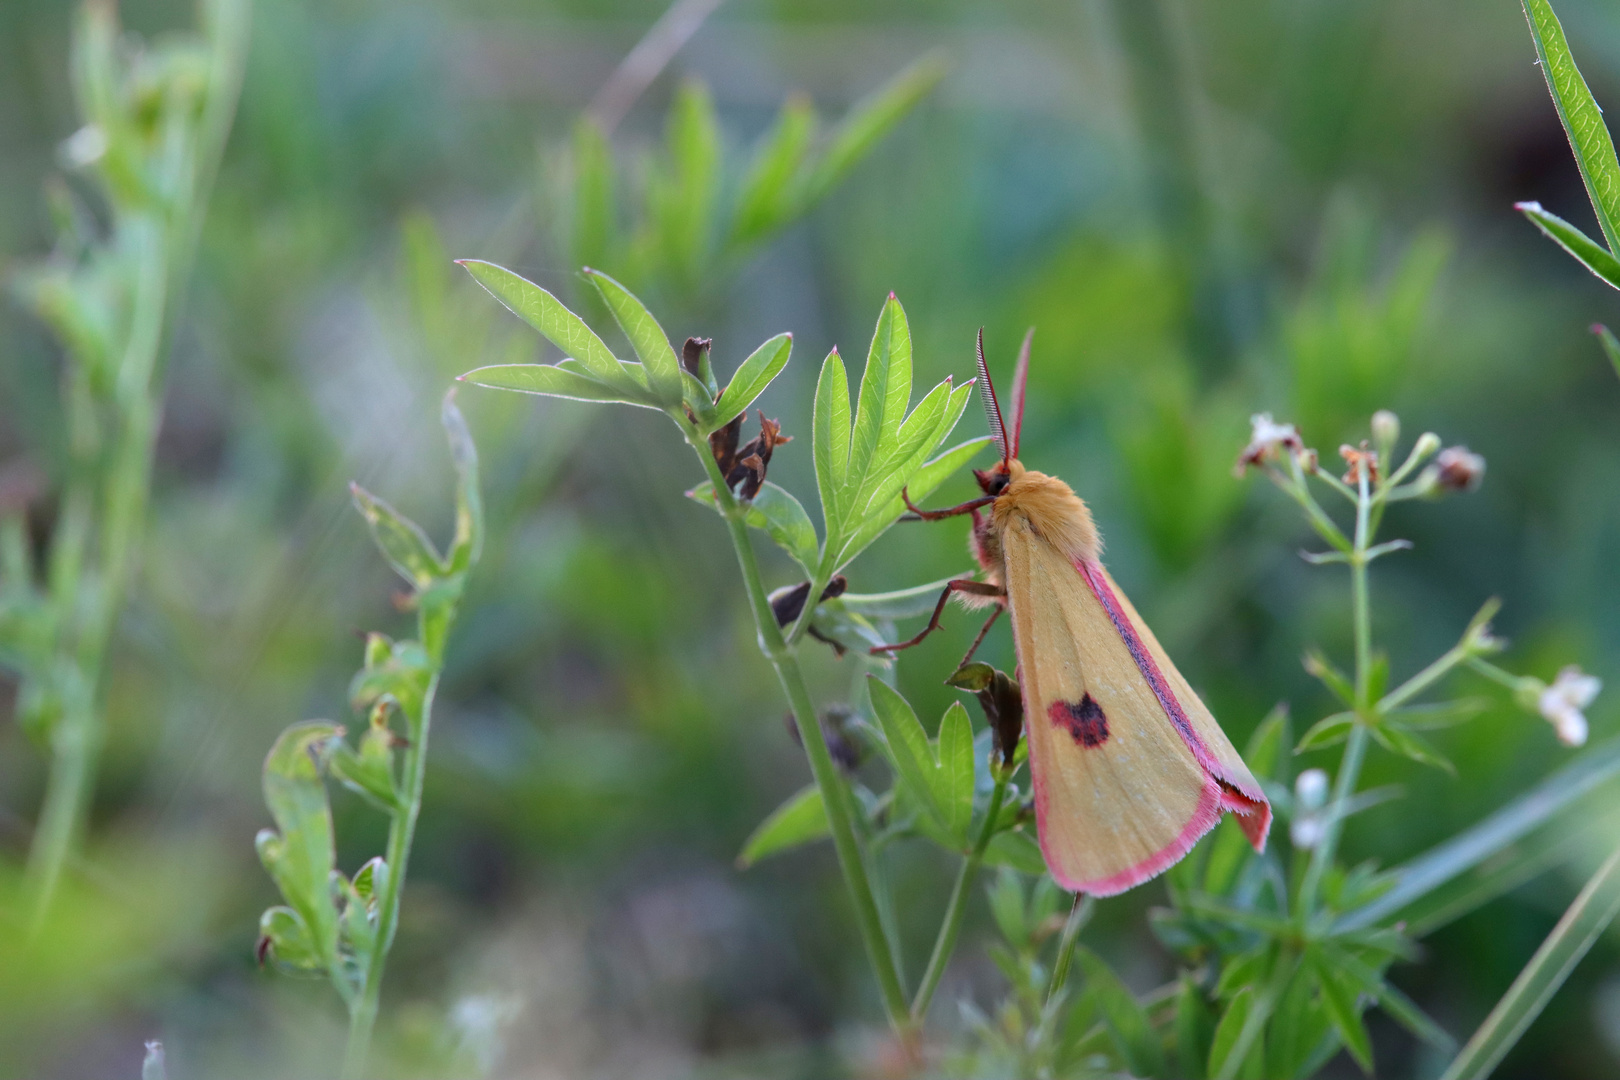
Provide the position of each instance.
(687, 228)
(332, 924)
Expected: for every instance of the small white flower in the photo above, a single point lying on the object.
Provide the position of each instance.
(1306, 830)
(1562, 702)
(85, 146)
(1310, 789)
(1265, 439)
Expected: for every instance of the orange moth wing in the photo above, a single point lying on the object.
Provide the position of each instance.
(1129, 767)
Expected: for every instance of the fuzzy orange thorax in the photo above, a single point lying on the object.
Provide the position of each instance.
(1053, 511)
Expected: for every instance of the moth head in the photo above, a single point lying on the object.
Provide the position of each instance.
(1006, 439)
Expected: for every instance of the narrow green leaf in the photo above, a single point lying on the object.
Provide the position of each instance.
(683, 206)
(955, 785)
(652, 345)
(1015, 849)
(830, 436)
(468, 542)
(592, 229)
(922, 484)
(751, 379)
(368, 772)
(1299, 1027)
(900, 604)
(1577, 931)
(1007, 908)
(918, 435)
(1194, 1030)
(1475, 845)
(1402, 1009)
(551, 380)
(770, 195)
(1581, 117)
(1588, 252)
(1128, 1024)
(1409, 745)
(1331, 677)
(1345, 1013)
(908, 747)
(1611, 345)
(1329, 731)
(776, 511)
(401, 540)
(291, 945)
(800, 820)
(1224, 1046)
(869, 120)
(556, 323)
(885, 393)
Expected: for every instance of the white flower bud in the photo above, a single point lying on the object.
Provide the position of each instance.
(1310, 789)
(1386, 430)
(1563, 702)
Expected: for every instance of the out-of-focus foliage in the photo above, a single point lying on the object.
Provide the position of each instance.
(1205, 209)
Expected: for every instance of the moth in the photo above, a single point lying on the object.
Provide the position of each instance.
(1129, 767)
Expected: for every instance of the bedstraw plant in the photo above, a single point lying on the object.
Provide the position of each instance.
(154, 122)
(343, 927)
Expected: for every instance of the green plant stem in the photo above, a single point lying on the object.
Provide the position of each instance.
(834, 792)
(401, 831)
(951, 925)
(1355, 750)
(1576, 932)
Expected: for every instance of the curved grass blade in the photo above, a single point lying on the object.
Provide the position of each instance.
(1582, 924)
(1473, 846)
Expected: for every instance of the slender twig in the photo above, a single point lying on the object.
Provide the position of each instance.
(642, 64)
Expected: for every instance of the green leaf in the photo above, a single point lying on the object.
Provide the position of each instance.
(771, 190)
(900, 604)
(752, 378)
(1007, 904)
(1329, 731)
(1245, 969)
(1224, 1045)
(299, 855)
(1345, 1013)
(955, 787)
(1408, 745)
(1015, 849)
(1402, 1009)
(468, 542)
(1611, 345)
(918, 434)
(1299, 1027)
(1588, 252)
(1331, 677)
(681, 201)
(652, 345)
(1583, 922)
(557, 324)
(1581, 117)
(368, 772)
(1229, 852)
(909, 752)
(830, 438)
(290, 943)
(1128, 1024)
(1194, 1029)
(885, 393)
(1473, 846)
(401, 540)
(552, 380)
(592, 230)
(776, 511)
(800, 820)
(869, 120)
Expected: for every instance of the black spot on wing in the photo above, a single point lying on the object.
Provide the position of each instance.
(1083, 720)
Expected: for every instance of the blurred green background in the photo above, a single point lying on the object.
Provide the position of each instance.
(1206, 209)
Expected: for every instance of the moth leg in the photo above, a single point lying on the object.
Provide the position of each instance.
(966, 585)
(983, 630)
(936, 515)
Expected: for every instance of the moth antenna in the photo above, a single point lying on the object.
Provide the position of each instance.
(1020, 379)
(992, 408)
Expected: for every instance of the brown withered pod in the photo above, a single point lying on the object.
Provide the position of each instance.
(745, 465)
(1002, 701)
